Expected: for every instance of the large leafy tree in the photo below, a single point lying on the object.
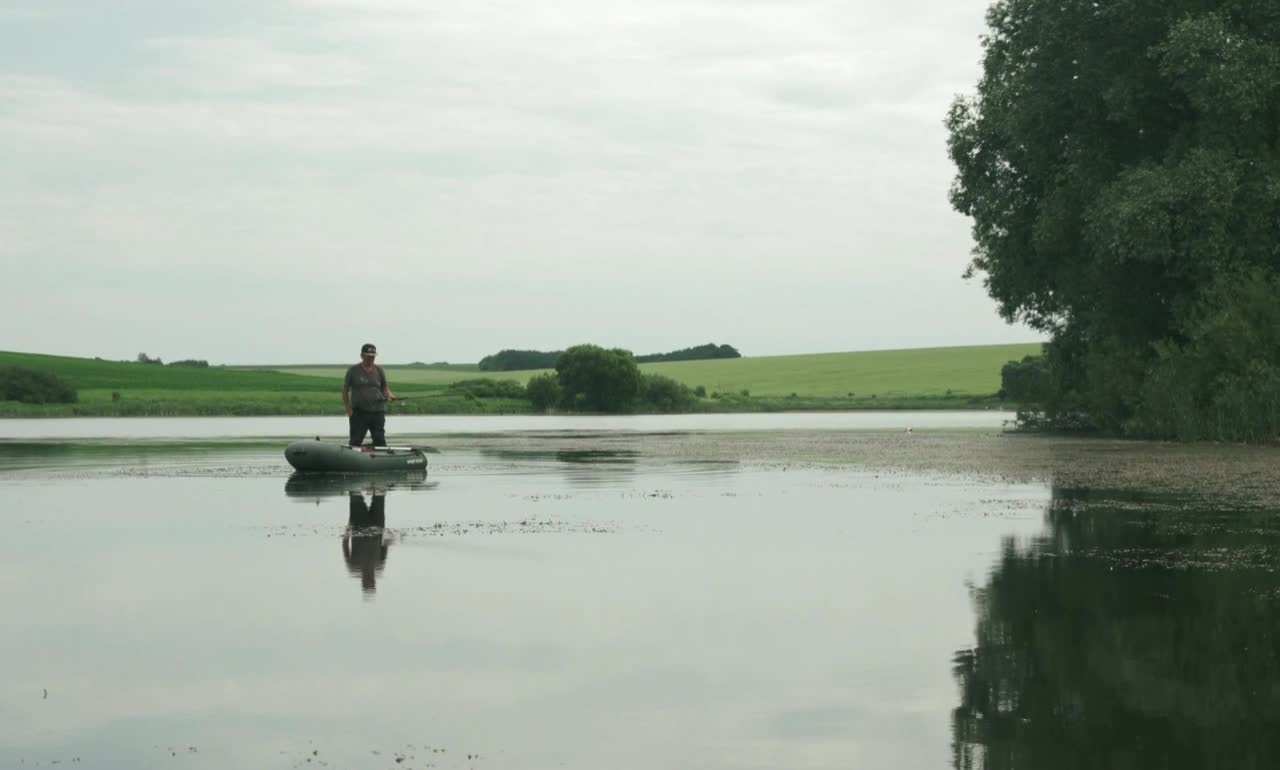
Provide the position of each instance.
(598, 380)
(1117, 156)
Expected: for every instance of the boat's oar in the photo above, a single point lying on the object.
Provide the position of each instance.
(428, 449)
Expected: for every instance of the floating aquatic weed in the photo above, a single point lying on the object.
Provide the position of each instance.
(530, 525)
(1244, 557)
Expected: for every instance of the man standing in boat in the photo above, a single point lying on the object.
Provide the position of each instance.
(365, 393)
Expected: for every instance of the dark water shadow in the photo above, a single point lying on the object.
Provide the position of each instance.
(87, 455)
(603, 467)
(595, 467)
(1137, 631)
(311, 487)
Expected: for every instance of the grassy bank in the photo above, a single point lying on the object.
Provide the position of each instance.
(128, 389)
(935, 378)
(200, 403)
(868, 378)
(929, 373)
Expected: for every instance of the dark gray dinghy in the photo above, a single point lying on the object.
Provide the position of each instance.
(316, 455)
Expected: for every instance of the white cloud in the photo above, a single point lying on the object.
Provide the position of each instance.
(640, 143)
(28, 10)
(229, 64)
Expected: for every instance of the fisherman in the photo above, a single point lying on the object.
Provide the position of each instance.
(365, 394)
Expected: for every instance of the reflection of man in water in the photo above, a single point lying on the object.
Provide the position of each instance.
(363, 547)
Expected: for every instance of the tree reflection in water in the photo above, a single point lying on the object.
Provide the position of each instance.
(1138, 632)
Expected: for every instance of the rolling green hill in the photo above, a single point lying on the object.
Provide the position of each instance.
(915, 372)
(957, 377)
(96, 374)
(971, 371)
(126, 388)
(400, 376)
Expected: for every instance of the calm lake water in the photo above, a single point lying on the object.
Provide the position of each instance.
(544, 605)
(241, 427)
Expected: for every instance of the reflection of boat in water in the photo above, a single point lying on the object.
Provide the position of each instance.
(317, 455)
(310, 486)
(366, 538)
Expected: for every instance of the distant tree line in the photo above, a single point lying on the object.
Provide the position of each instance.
(518, 360)
(521, 360)
(698, 353)
(194, 363)
(1120, 164)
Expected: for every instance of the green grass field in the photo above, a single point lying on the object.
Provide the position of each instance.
(115, 388)
(923, 372)
(406, 376)
(297, 368)
(94, 373)
(970, 371)
(958, 377)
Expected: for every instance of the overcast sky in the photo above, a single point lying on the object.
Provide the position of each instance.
(275, 181)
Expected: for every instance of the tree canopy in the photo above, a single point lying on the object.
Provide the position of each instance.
(705, 352)
(594, 379)
(589, 378)
(519, 360)
(544, 391)
(1121, 165)
(34, 386)
(522, 360)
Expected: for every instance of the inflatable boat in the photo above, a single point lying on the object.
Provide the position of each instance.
(318, 456)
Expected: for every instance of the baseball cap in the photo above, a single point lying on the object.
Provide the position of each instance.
(369, 347)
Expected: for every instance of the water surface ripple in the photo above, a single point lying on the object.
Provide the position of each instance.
(612, 599)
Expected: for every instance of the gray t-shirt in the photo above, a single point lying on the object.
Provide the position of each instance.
(366, 388)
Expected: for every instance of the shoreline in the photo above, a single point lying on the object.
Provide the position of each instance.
(1233, 476)
(10, 410)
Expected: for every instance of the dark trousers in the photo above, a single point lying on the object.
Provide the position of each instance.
(362, 548)
(373, 423)
(362, 516)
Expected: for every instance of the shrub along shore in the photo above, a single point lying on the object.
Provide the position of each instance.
(941, 378)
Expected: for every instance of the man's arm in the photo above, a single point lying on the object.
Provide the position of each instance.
(386, 389)
(346, 397)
